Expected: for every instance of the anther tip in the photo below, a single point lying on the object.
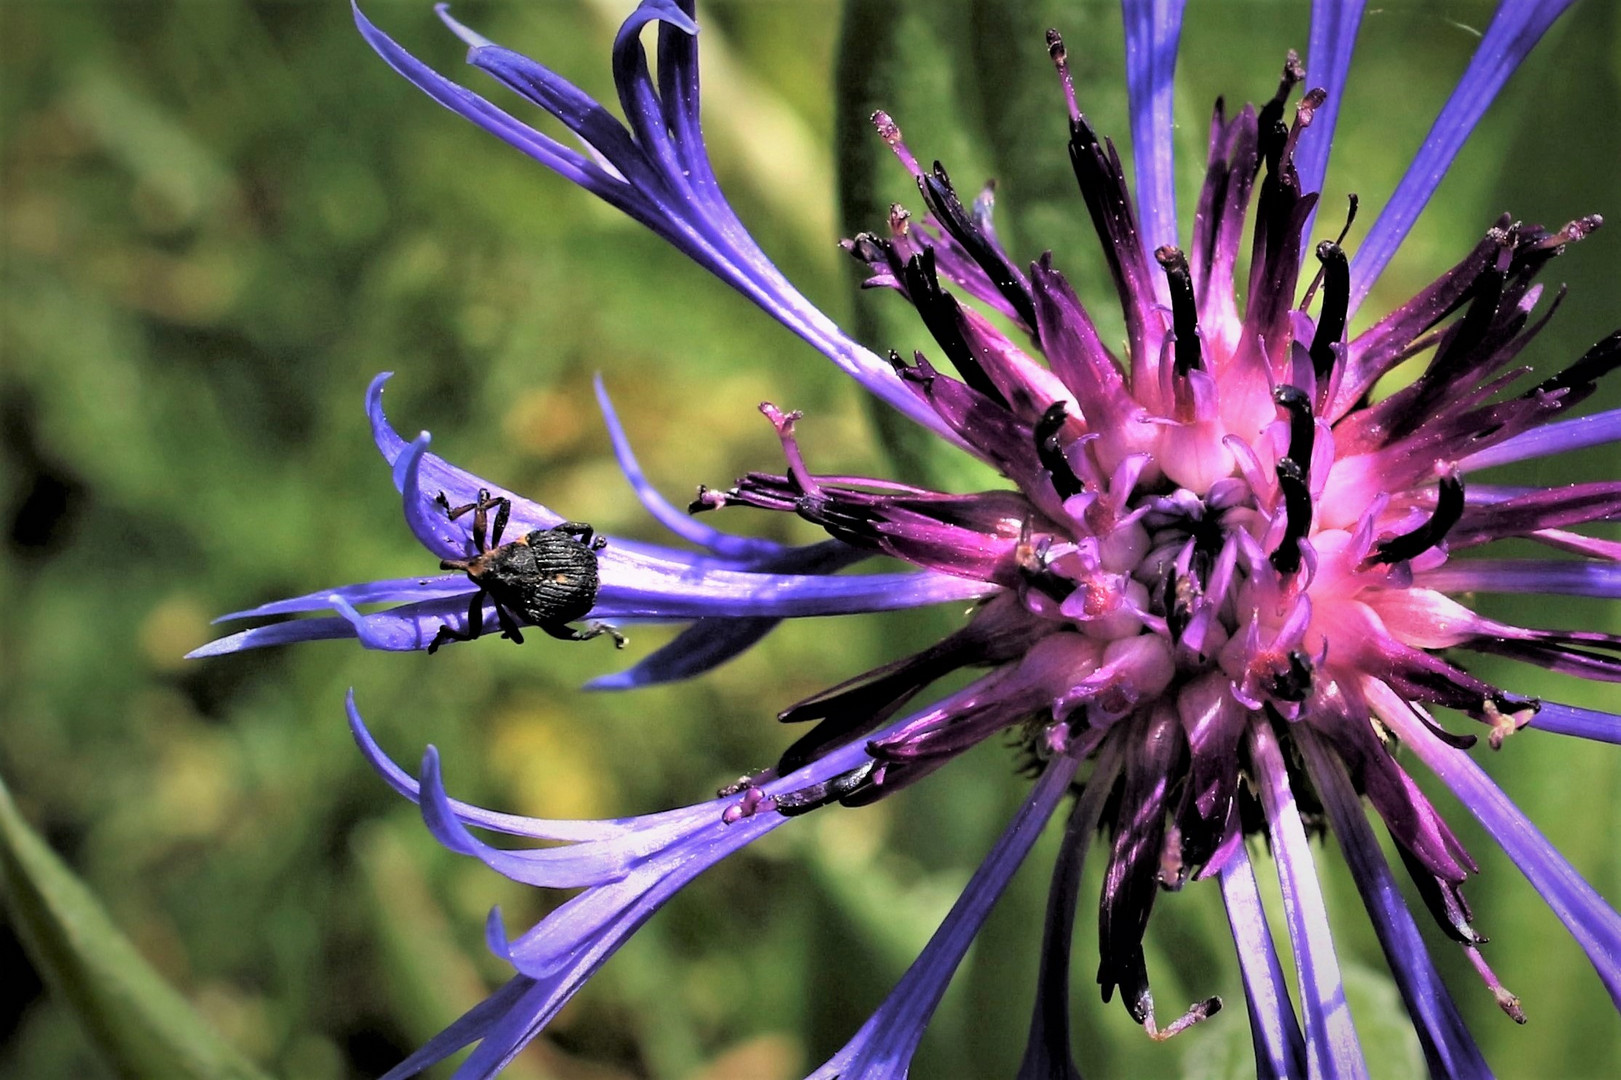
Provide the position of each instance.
(1170, 257)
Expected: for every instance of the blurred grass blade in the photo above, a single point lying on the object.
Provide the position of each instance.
(143, 1026)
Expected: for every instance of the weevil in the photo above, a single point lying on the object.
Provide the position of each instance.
(547, 577)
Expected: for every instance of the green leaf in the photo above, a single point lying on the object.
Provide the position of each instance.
(143, 1026)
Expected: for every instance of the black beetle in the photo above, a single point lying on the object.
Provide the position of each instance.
(548, 577)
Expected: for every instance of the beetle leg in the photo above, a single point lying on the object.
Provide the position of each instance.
(580, 532)
(481, 522)
(565, 632)
(452, 512)
(503, 511)
(475, 625)
(509, 625)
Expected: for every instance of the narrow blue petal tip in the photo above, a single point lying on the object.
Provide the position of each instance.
(495, 935)
(408, 464)
(357, 728)
(618, 680)
(471, 37)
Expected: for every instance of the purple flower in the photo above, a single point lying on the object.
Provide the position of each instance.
(1217, 595)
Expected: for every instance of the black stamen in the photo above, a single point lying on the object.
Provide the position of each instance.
(1350, 216)
(1478, 317)
(1339, 241)
(1445, 900)
(954, 218)
(1336, 302)
(873, 250)
(1297, 507)
(1581, 376)
(1302, 428)
(940, 314)
(1273, 133)
(1448, 509)
(1098, 174)
(1184, 315)
(1065, 482)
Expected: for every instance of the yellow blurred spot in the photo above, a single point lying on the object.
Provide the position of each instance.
(193, 791)
(709, 987)
(177, 625)
(856, 837)
(543, 421)
(199, 287)
(549, 764)
(764, 1057)
(238, 1016)
(593, 491)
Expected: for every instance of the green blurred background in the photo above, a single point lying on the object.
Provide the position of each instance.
(222, 218)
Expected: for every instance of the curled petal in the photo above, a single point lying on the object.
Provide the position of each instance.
(578, 865)
(647, 177)
(512, 824)
(406, 628)
(432, 526)
(639, 864)
(672, 517)
(286, 633)
(433, 475)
